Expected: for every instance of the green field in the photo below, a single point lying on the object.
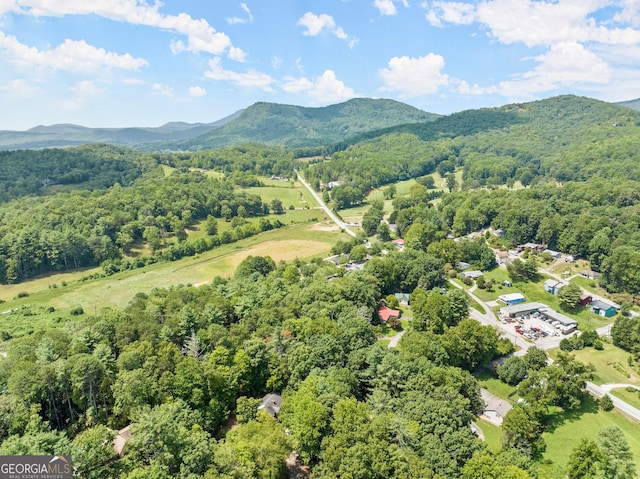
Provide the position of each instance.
(611, 365)
(631, 396)
(287, 243)
(565, 430)
(492, 434)
(289, 193)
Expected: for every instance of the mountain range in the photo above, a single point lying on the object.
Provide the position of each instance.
(267, 123)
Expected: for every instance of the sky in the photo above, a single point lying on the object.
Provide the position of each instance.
(118, 63)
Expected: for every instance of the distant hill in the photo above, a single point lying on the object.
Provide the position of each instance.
(634, 104)
(296, 126)
(564, 138)
(72, 135)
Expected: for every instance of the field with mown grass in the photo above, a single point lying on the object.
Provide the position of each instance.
(630, 396)
(566, 429)
(611, 364)
(303, 241)
(492, 434)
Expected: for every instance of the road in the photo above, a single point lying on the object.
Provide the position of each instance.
(619, 404)
(326, 209)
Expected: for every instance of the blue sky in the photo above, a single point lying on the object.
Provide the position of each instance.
(138, 63)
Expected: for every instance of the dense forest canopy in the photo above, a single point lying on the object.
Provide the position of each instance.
(562, 139)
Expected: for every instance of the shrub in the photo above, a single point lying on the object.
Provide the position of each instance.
(23, 294)
(77, 311)
(606, 403)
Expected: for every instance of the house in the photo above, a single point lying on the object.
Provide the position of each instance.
(511, 298)
(398, 243)
(552, 286)
(502, 257)
(554, 254)
(462, 266)
(332, 184)
(120, 441)
(403, 298)
(590, 274)
(499, 233)
(386, 313)
(603, 309)
(271, 404)
(475, 274)
(530, 246)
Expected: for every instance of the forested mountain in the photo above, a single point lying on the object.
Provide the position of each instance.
(558, 139)
(70, 135)
(295, 126)
(635, 104)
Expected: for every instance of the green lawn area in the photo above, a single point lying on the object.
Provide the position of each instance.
(611, 364)
(492, 384)
(492, 434)
(631, 396)
(285, 191)
(565, 430)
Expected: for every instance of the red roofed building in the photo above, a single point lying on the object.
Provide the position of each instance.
(387, 313)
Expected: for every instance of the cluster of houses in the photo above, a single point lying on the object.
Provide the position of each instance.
(598, 306)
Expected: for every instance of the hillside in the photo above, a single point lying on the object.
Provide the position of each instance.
(634, 104)
(62, 135)
(295, 126)
(561, 139)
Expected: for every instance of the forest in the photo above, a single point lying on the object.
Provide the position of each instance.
(184, 368)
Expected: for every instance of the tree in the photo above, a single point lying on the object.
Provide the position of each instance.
(512, 370)
(93, 454)
(451, 182)
(211, 226)
(584, 460)
(522, 431)
(569, 295)
(535, 358)
(606, 404)
(276, 206)
(257, 449)
(390, 192)
(617, 458)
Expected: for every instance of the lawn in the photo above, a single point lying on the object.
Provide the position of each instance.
(492, 434)
(492, 384)
(631, 396)
(611, 365)
(566, 429)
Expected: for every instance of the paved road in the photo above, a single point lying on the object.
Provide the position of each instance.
(619, 404)
(326, 209)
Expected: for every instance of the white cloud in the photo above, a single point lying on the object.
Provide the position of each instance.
(276, 62)
(201, 37)
(251, 78)
(163, 90)
(19, 88)
(316, 24)
(82, 92)
(565, 64)
(388, 7)
(71, 55)
(196, 91)
(538, 22)
(247, 19)
(323, 89)
(414, 76)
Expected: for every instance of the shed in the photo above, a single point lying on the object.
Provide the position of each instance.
(554, 254)
(120, 441)
(603, 309)
(511, 298)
